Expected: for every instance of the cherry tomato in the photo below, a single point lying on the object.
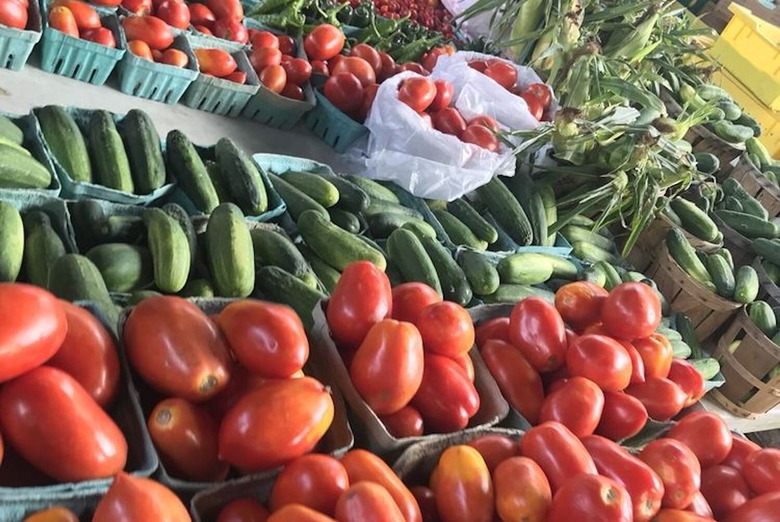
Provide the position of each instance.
(763, 508)
(577, 404)
(444, 93)
(156, 33)
(479, 65)
(202, 15)
(449, 121)
(215, 62)
(480, 136)
(446, 329)
(762, 470)
(685, 375)
(632, 311)
(357, 66)
(678, 468)
(724, 488)
(542, 93)
(315, 481)
(580, 303)
(517, 379)
(323, 42)
(369, 54)
(273, 78)
(535, 106)
(60, 18)
(287, 44)
(496, 328)
(243, 510)
(140, 49)
(418, 93)
(600, 359)
(53, 514)
(101, 36)
(706, 434)
(262, 57)
(462, 486)
(409, 300)
(657, 354)
(741, 449)
(344, 91)
(298, 70)
(485, 121)
(521, 489)
(662, 398)
(139, 7)
(406, 422)
(85, 15)
(537, 330)
(591, 498)
(135, 498)
(174, 13)
(502, 73)
(367, 501)
(232, 30)
(175, 57)
(226, 9)
(494, 449)
(623, 416)
(446, 398)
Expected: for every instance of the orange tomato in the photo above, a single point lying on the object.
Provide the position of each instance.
(53, 514)
(243, 510)
(274, 78)
(580, 303)
(406, 422)
(657, 353)
(522, 490)
(446, 329)
(61, 18)
(298, 513)
(106, 3)
(316, 481)
(101, 35)
(150, 29)
(86, 17)
(134, 498)
(140, 49)
(463, 487)
(367, 501)
(175, 57)
(215, 62)
(237, 77)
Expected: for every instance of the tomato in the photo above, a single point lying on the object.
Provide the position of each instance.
(446, 398)
(287, 44)
(406, 422)
(203, 29)
(88, 340)
(444, 93)
(485, 121)
(369, 95)
(558, 452)
(623, 417)
(236, 77)
(85, 15)
(215, 62)
(367, 501)
(577, 404)
(229, 9)
(449, 121)
(466, 365)
(53, 514)
(60, 18)
(263, 40)
(600, 359)
(762, 470)
(542, 92)
(763, 508)
(685, 375)
(158, 35)
(700, 506)
(362, 465)
(263, 57)
(724, 488)
(357, 66)
(502, 73)
(315, 481)
(361, 298)
(678, 515)
(344, 91)
(292, 91)
(276, 423)
(388, 68)
(101, 36)
(537, 330)
(427, 502)
(591, 498)
(429, 59)
(55, 425)
(741, 449)
(535, 106)
(369, 54)
(415, 68)
(140, 49)
(496, 328)
(241, 382)
(480, 136)
(409, 300)
(202, 15)
(139, 7)
(642, 483)
(657, 354)
(176, 348)
(706, 434)
(462, 486)
(174, 13)
(175, 57)
(662, 398)
(479, 65)
(417, 92)
(243, 510)
(522, 491)
(632, 311)
(517, 379)
(298, 513)
(494, 449)
(678, 468)
(580, 303)
(274, 78)
(323, 42)
(446, 329)
(298, 70)
(637, 364)
(232, 30)
(134, 498)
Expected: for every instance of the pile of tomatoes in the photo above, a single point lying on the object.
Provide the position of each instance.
(14, 13)
(220, 18)
(150, 38)
(273, 58)
(407, 351)
(537, 95)
(257, 413)
(429, 13)
(79, 20)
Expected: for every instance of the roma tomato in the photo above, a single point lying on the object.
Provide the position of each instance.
(323, 42)
(202, 15)
(706, 434)
(53, 514)
(449, 121)
(34, 331)
(502, 73)
(415, 68)
(591, 498)
(741, 449)
(446, 329)
(389, 68)
(175, 57)
(657, 354)
(623, 416)
(369, 54)
(13, 14)
(534, 105)
(537, 330)
(215, 62)
(427, 501)
(298, 513)
(369, 95)
(274, 78)
(485, 121)
(558, 452)
(56, 426)
(724, 488)
(642, 483)
(264, 40)
(241, 382)
(316, 481)
(88, 340)
(494, 449)
(417, 92)
(522, 491)
(367, 501)
(700, 506)
(678, 468)
(518, 381)
(637, 364)
(462, 486)
(267, 338)
(362, 298)
(345, 91)
(763, 508)
(287, 45)
(232, 30)
(292, 91)
(662, 398)
(85, 15)
(101, 36)
(632, 311)
(406, 422)
(446, 398)
(357, 66)
(577, 404)
(203, 29)
(480, 136)
(174, 13)
(580, 303)
(362, 465)
(600, 359)
(478, 65)
(762, 470)
(243, 510)
(298, 70)
(496, 328)
(410, 299)
(542, 92)
(185, 436)
(140, 49)
(387, 369)
(229, 9)
(60, 18)
(134, 498)
(276, 423)
(444, 93)
(176, 348)
(678, 515)
(157, 34)
(685, 375)
(139, 7)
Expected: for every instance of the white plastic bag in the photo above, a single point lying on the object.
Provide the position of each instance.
(428, 163)
(475, 27)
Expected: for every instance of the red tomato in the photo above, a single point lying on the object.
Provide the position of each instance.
(637, 364)
(344, 91)
(138, 7)
(623, 417)
(292, 91)
(406, 422)
(685, 375)
(415, 68)
(706, 434)
(678, 468)
(449, 121)
(502, 73)
(362, 298)
(273, 78)
(38, 328)
(369, 54)
(369, 95)
(429, 59)
(427, 502)
(462, 486)
(466, 365)
(186, 357)
(315, 481)
(496, 328)
(101, 36)
(600, 359)
(662, 398)
(60, 18)
(174, 13)
(409, 300)
(479, 65)
(480, 136)
(446, 398)
(215, 62)
(388, 68)
(357, 66)
(232, 30)
(657, 354)
(241, 382)
(591, 498)
(298, 70)
(85, 15)
(418, 93)
(632, 311)
(287, 44)
(444, 93)
(276, 423)
(175, 57)
(203, 29)
(485, 121)
(700, 506)
(53, 514)
(236, 77)
(741, 449)
(55, 425)
(537, 330)
(763, 508)
(762, 470)
(558, 452)
(263, 57)
(494, 449)
(521, 489)
(517, 379)
(642, 483)
(88, 340)
(298, 513)
(229, 9)
(367, 501)
(323, 42)
(157, 34)
(140, 49)
(134, 498)
(202, 15)
(577, 404)
(446, 329)
(243, 510)
(580, 303)
(535, 106)
(724, 488)
(263, 40)
(542, 92)
(678, 515)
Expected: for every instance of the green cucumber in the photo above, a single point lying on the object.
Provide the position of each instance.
(198, 288)
(708, 367)
(749, 226)
(212, 168)
(230, 252)
(595, 275)
(183, 219)
(722, 275)
(282, 287)
(319, 188)
(750, 205)
(733, 204)
(524, 269)
(65, 141)
(170, 250)
(613, 277)
(575, 234)
(351, 197)
(125, 268)
(109, 158)
(483, 230)
(551, 209)
(507, 211)
(769, 249)
(458, 232)
(10, 131)
(685, 256)
(764, 317)
(136, 297)
(334, 245)
(688, 334)
(373, 189)
(19, 170)
(297, 201)
(731, 132)
(695, 220)
(328, 276)
(345, 219)
(730, 109)
(75, 278)
(12, 243)
(383, 224)
(757, 149)
(707, 163)
(454, 284)
(190, 172)
(142, 143)
(378, 206)
(592, 253)
(515, 293)
(42, 247)
(414, 263)
(273, 249)
(746, 289)
(680, 349)
(772, 271)
(481, 274)
(241, 177)
(562, 267)
(749, 121)
(523, 188)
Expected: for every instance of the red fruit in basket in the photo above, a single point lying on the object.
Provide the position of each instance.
(480, 136)
(230, 9)
(174, 13)
(263, 39)
(502, 73)
(369, 95)
(741, 449)
(201, 15)
(657, 354)
(444, 93)
(138, 7)
(410, 299)
(535, 106)
(430, 59)
(478, 65)
(388, 68)
(357, 66)
(518, 381)
(418, 93)
(446, 329)
(542, 92)
(150, 29)
(61, 18)
(320, 67)
(273, 78)
(101, 35)
(632, 311)
(623, 416)
(485, 121)
(287, 45)
(537, 330)
(85, 15)
(415, 68)
(232, 30)
(134, 498)
(293, 91)
(449, 121)
(406, 422)
(762, 470)
(203, 29)
(369, 54)
(662, 398)
(345, 91)
(264, 57)
(175, 57)
(156, 55)
(298, 70)
(446, 398)
(215, 62)
(323, 42)
(685, 375)
(13, 14)
(316, 481)
(243, 510)
(577, 404)
(600, 359)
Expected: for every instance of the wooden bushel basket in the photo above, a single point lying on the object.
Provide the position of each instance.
(703, 140)
(767, 290)
(756, 184)
(739, 246)
(744, 393)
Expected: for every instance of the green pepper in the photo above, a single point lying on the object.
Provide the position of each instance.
(363, 15)
(345, 15)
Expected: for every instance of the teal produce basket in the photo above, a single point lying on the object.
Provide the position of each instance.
(33, 142)
(16, 45)
(334, 127)
(158, 81)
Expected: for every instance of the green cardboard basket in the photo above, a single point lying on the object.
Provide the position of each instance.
(33, 142)
(334, 127)
(16, 45)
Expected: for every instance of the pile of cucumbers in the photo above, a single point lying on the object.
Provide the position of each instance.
(745, 214)
(726, 118)
(589, 245)
(18, 168)
(763, 161)
(694, 219)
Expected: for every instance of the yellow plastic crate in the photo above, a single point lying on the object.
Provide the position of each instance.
(749, 48)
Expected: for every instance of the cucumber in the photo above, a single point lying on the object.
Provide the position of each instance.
(769, 249)
(481, 274)
(241, 177)
(730, 109)
(688, 334)
(109, 158)
(582, 221)
(703, 205)
(722, 276)
(454, 285)
(749, 121)
(632, 277)
(42, 248)
(695, 220)
(344, 219)
(680, 349)
(75, 278)
(10, 131)
(592, 253)
(125, 268)
(672, 216)
(216, 179)
(749, 226)
(273, 249)
(420, 228)
(709, 92)
(595, 275)
(562, 267)
(764, 317)
(230, 252)
(757, 150)
(507, 211)
(478, 225)
(180, 215)
(93, 227)
(613, 277)
(708, 367)
(328, 276)
(575, 234)
(393, 274)
(351, 197)
(414, 263)
(771, 177)
(142, 143)
(198, 288)
(732, 133)
(516, 293)
(378, 206)
(297, 201)
(190, 172)
(280, 286)
(316, 187)
(772, 271)
(746, 288)
(170, 250)
(733, 204)
(551, 209)
(65, 141)
(458, 232)
(373, 189)
(685, 256)
(669, 333)
(12, 243)
(707, 163)
(383, 224)
(750, 205)
(336, 246)
(524, 269)
(19, 170)
(523, 188)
